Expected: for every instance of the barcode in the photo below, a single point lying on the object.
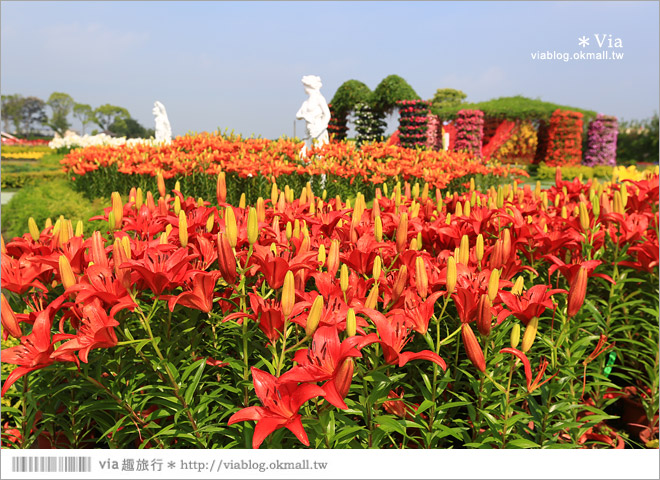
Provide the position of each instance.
(51, 464)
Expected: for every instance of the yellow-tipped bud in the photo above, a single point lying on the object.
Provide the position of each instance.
(66, 273)
(464, 250)
(343, 277)
(252, 226)
(34, 230)
(177, 186)
(451, 275)
(425, 192)
(378, 229)
(333, 257)
(314, 316)
(595, 206)
(111, 223)
(448, 219)
(139, 199)
(618, 203)
(372, 298)
(261, 210)
(183, 229)
(377, 268)
(288, 294)
(49, 223)
(168, 229)
(210, 222)
(584, 216)
(515, 335)
(421, 277)
(231, 229)
(321, 254)
(564, 212)
(518, 286)
(274, 193)
(479, 247)
(296, 228)
(459, 210)
(288, 230)
(530, 334)
(466, 210)
(177, 205)
(117, 208)
(242, 201)
(351, 323)
(163, 239)
(80, 228)
(126, 245)
(493, 284)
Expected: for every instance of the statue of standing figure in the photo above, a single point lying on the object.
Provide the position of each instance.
(315, 112)
(163, 128)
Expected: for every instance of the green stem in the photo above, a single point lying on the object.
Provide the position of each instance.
(507, 404)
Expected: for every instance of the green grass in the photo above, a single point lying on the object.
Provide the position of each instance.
(49, 200)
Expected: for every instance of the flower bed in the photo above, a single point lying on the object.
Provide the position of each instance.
(469, 131)
(433, 321)
(601, 141)
(253, 164)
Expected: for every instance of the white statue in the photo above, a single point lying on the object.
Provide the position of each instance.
(163, 128)
(315, 112)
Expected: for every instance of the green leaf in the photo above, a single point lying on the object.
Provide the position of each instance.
(190, 391)
(523, 443)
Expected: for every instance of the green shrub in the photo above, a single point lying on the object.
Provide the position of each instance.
(49, 200)
(25, 178)
(545, 172)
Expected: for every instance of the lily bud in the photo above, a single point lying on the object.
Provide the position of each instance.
(458, 211)
(584, 216)
(261, 210)
(177, 186)
(464, 250)
(221, 188)
(595, 206)
(168, 229)
(479, 247)
(111, 222)
(448, 219)
(230, 226)
(484, 315)
(451, 275)
(402, 233)
(126, 244)
(530, 334)
(421, 277)
(139, 199)
(274, 193)
(160, 181)
(242, 201)
(321, 254)
(333, 257)
(226, 259)
(400, 283)
(618, 203)
(577, 292)
(80, 228)
(515, 335)
(288, 294)
(296, 228)
(493, 284)
(314, 316)
(97, 250)
(425, 192)
(344, 377)
(162, 240)
(351, 323)
(518, 286)
(183, 229)
(467, 209)
(378, 229)
(472, 348)
(10, 323)
(413, 244)
(252, 226)
(177, 205)
(210, 222)
(288, 230)
(66, 273)
(151, 204)
(506, 245)
(343, 278)
(34, 230)
(377, 268)
(372, 298)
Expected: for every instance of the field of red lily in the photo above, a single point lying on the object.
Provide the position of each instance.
(511, 317)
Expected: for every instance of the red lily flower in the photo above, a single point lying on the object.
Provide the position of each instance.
(96, 331)
(35, 349)
(160, 269)
(281, 403)
(531, 384)
(20, 275)
(531, 304)
(394, 335)
(274, 267)
(324, 361)
(201, 295)
(100, 283)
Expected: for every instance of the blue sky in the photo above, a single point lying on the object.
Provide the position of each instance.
(238, 65)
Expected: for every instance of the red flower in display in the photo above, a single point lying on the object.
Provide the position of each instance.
(200, 296)
(531, 304)
(281, 403)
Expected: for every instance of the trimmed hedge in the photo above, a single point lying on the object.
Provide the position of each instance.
(22, 179)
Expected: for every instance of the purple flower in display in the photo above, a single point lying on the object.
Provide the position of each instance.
(601, 141)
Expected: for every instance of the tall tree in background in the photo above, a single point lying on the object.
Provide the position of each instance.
(107, 114)
(84, 114)
(11, 111)
(129, 128)
(33, 111)
(61, 105)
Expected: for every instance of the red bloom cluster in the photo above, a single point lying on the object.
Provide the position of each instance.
(379, 271)
(564, 142)
(469, 131)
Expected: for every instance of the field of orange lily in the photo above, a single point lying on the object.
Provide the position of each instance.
(251, 165)
(507, 318)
